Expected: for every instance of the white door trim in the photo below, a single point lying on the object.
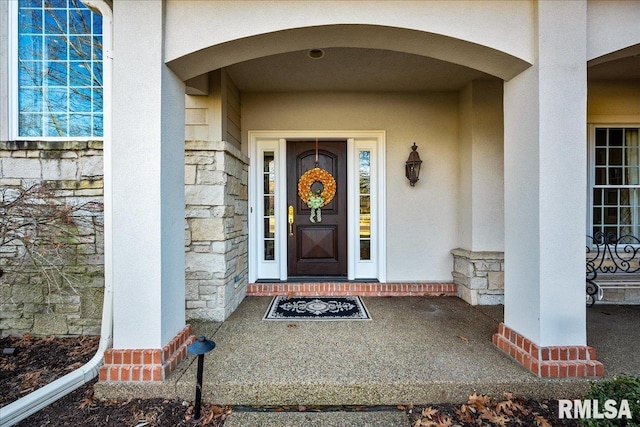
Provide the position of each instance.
(275, 141)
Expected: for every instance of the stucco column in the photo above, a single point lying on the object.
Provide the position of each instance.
(545, 200)
(148, 197)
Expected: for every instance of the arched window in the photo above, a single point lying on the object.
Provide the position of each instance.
(59, 70)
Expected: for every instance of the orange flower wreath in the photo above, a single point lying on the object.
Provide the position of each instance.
(317, 175)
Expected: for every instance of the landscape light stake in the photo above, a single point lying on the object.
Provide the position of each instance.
(200, 347)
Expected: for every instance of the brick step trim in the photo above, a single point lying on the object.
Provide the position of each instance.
(368, 289)
(551, 361)
(146, 365)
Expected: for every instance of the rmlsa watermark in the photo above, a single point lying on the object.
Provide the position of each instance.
(593, 409)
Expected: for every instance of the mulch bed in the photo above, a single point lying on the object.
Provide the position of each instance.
(38, 361)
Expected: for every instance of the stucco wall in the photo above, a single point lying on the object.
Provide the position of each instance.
(613, 102)
(421, 220)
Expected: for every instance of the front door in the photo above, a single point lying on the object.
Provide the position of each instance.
(317, 246)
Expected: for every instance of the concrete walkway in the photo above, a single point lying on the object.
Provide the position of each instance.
(415, 350)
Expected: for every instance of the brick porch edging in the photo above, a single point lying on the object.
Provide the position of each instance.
(146, 364)
(350, 288)
(548, 362)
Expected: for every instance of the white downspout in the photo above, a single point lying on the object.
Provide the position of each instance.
(33, 402)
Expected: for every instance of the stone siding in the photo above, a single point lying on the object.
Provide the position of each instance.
(216, 229)
(479, 276)
(29, 304)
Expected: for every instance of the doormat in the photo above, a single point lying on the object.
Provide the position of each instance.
(317, 308)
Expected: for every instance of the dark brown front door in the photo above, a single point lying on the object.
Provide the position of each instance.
(317, 248)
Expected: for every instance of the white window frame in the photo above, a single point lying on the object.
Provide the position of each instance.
(12, 74)
(275, 141)
(591, 164)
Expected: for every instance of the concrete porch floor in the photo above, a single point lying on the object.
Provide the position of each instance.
(414, 350)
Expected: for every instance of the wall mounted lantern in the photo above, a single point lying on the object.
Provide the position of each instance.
(412, 166)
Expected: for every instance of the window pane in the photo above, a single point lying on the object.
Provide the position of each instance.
(30, 73)
(269, 205)
(601, 156)
(30, 47)
(55, 124)
(611, 197)
(615, 156)
(615, 137)
(601, 176)
(597, 216)
(80, 124)
(601, 137)
(365, 250)
(30, 124)
(80, 21)
(615, 176)
(55, 21)
(30, 100)
(611, 215)
(30, 21)
(269, 227)
(597, 196)
(269, 250)
(57, 99)
(365, 171)
(57, 48)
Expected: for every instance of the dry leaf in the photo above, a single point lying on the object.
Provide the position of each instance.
(542, 422)
(479, 402)
(501, 420)
(445, 421)
(429, 412)
(505, 407)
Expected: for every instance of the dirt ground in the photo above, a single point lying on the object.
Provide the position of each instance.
(38, 361)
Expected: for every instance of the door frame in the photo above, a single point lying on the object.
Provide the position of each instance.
(275, 141)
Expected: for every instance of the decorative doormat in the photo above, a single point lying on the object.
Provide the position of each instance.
(317, 308)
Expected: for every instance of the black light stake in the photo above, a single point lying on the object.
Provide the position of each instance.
(200, 347)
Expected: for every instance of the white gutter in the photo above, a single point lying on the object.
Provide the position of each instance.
(44, 396)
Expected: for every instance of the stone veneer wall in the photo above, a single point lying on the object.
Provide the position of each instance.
(74, 170)
(216, 234)
(216, 177)
(479, 276)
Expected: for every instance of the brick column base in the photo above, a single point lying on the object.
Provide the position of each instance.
(145, 364)
(549, 362)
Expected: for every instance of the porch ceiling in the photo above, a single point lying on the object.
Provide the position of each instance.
(351, 69)
(366, 70)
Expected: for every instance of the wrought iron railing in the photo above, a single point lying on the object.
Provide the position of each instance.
(609, 254)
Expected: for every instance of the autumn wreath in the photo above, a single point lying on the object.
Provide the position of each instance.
(317, 200)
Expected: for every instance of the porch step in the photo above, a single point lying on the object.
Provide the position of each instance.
(368, 289)
(378, 418)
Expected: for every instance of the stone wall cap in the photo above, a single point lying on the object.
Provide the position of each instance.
(480, 255)
(217, 146)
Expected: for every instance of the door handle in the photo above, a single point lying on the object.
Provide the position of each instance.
(290, 219)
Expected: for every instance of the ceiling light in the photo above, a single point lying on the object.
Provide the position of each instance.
(315, 53)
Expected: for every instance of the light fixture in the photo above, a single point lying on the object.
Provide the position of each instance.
(315, 53)
(200, 347)
(412, 166)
